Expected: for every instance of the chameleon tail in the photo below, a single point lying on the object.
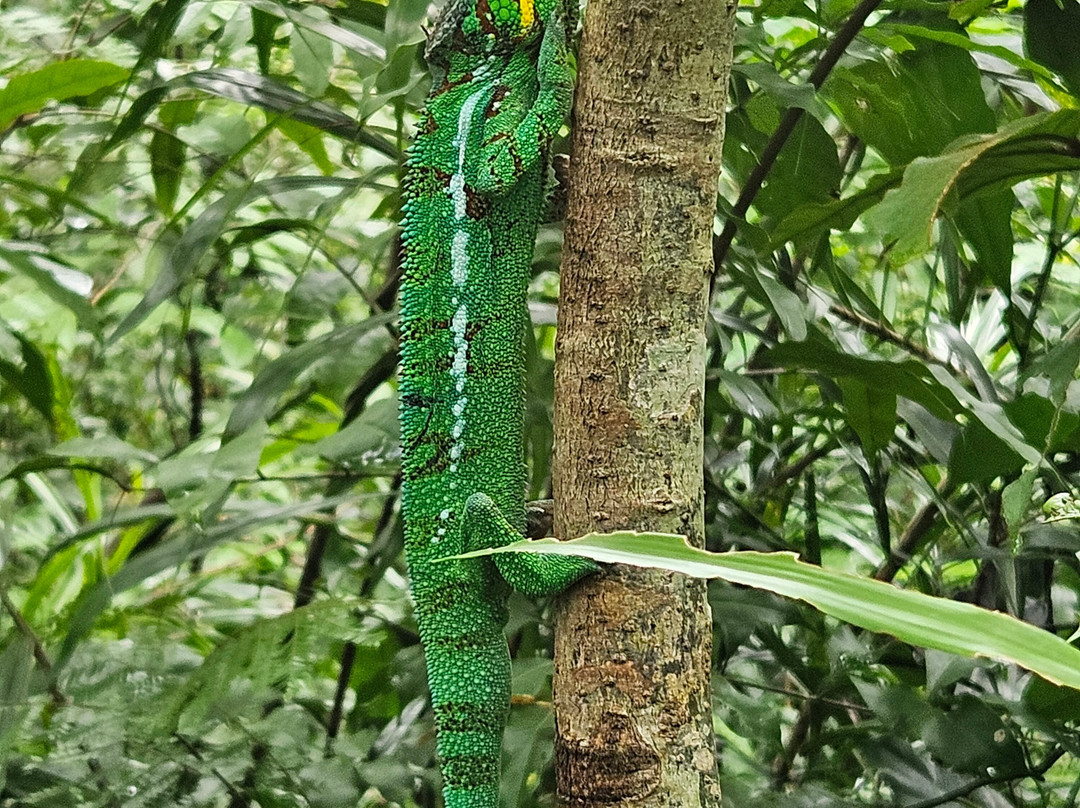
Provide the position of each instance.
(470, 693)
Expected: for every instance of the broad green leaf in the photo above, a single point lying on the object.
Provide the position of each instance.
(1016, 500)
(985, 220)
(806, 172)
(310, 141)
(786, 304)
(912, 617)
(810, 219)
(313, 55)
(959, 40)
(171, 553)
(62, 283)
(768, 79)
(32, 379)
(912, 106)
(167, 153)
(979, 455)
(972, 738)
(29, 92)
(1051, 31)
(870, 412)
(103, 446)
(272, 96)
(906, 215)
(302, 18)
(368, 445)
(16, 672)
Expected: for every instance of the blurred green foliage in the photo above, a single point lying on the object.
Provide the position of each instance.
(204, 602)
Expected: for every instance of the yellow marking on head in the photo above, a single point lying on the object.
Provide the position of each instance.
(527, 14)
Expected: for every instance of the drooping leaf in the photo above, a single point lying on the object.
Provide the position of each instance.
(870, 412)
(906, 214)
(910, 379)
(915, 618)
(260, 398)
(167, 154)
(913, 106)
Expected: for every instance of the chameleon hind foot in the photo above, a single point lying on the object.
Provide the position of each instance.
(485, 526)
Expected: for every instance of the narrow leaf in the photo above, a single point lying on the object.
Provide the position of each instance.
(915, 618)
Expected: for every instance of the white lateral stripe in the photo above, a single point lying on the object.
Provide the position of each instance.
(459, 275)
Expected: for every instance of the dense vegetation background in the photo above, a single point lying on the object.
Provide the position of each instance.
(203, 600)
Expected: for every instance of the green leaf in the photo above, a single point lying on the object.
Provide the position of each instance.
(806, 172)
(349, 40)
(766, 77)
(906, 214)
(912, 617)
(173, 552)
(16, 670)
(960, 40)
(33, 379)
(1051, 31)
(29, 92)
(910, 379)
(313, 56)
(368, 445)
(979, 455)
(103, 446)
(972, 738)
(253, 89)
(870, 412)
(167, 153)
(310, 141)
(60, 282)
(786, 304)
(914, 105)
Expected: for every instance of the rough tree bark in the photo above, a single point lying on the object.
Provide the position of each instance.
(633, 647)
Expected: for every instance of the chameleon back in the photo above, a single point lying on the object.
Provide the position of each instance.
(473, 202)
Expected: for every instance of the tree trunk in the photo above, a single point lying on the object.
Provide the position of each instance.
(633, 647)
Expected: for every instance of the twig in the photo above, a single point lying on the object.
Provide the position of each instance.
(845, 705)
(40, 656)
(333, 721)
(913, 534)
(883, 332)
(989, 780)
(821, 71)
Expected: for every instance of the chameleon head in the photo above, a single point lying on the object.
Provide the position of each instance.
(490, 26)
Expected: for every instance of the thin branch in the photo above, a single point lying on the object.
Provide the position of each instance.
(989, 780)
(884, 333)
(794, 694)
(829, 60)
(333, 721)
(914, 533)
(40, 656)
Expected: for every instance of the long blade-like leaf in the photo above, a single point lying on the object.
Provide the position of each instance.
(912, 617)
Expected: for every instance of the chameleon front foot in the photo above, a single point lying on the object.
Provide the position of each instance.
(485, 526)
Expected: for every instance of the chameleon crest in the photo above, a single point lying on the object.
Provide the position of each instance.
(474, 192)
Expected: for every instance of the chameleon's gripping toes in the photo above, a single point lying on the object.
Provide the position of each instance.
(474, 195)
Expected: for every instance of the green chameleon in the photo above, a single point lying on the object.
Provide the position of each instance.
(474, 194)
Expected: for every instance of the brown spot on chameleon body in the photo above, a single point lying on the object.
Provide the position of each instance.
(476, 205)
(492, 108)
